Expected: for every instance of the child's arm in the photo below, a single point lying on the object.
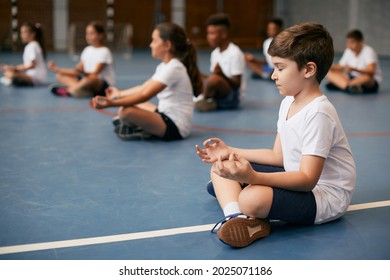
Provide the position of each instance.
(149, 89)
(114, 93)
(19, 67)
(369, 70)
(239, 169)
(234, 81)
(215, 148)
(99, 68)
(63, 71)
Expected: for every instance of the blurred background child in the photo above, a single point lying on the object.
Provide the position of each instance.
(33, 70)
(93, 74)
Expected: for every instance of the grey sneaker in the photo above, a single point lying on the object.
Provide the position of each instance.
(206, 105)
(355, 89)
(128, 133)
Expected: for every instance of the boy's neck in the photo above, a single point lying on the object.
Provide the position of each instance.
(302, 99)
(307, 95)
(224, 46)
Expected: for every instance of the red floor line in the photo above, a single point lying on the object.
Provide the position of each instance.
(102, 111)
(42, 110)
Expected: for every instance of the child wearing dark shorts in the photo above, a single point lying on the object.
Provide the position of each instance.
(309, 175)
(175, 81)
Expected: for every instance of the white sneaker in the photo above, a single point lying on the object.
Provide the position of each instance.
(5, 81)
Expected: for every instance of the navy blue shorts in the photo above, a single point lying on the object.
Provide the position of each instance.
(231, 101)
(290, 206)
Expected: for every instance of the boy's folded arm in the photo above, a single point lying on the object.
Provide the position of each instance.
(304, 179)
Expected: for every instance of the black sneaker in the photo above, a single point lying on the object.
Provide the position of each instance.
(128, 133)
(116, 121)
(355, 89)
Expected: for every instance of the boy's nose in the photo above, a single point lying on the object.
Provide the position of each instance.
(273, 76)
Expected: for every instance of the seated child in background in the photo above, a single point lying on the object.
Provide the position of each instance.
(263, 68)
(33, 70)
(176, 80)
(93, 74)
(358, 70)
(226, 84)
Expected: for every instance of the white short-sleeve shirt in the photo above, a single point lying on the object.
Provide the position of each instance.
(92, 57)
(232, 63)
(268, 58)
(33, 52)
(366, 57)
(316, 130)
(176, 99)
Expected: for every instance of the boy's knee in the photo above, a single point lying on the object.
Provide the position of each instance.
(126, 114)
(255, 201)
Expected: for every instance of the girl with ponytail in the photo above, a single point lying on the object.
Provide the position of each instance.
(175, 81)
(33, 69)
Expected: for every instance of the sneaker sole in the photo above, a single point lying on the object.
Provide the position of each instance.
(240, 232)
(134, 136)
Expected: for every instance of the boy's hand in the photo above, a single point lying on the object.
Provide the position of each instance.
(215, 148)
(235, 168)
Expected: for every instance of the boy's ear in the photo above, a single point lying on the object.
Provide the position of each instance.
(311, 69)
(169, 45)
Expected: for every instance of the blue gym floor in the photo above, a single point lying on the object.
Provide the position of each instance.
(70, 189)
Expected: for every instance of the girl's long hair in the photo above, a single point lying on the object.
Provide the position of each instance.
(38, 31)
(184, 50)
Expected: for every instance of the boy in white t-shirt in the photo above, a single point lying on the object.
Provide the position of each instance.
(358, 70)
(262, 68)
(93, 74)
(226, 85)
(309, 176)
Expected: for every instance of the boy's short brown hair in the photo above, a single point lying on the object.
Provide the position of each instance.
(355, 35)
(303, 43)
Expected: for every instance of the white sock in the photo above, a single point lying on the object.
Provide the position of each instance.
(231, 208)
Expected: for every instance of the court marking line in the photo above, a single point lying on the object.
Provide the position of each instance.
(140, 235)
(195, 127)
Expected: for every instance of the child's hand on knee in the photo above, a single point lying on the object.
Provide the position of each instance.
(234, 168)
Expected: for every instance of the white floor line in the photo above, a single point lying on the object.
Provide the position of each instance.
(139, 235)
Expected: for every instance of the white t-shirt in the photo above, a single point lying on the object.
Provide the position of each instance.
(268, 58)
(33, 52)
(176, 99)
(232, 63)
(92, 57)
(366, 57)
(316, 130)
